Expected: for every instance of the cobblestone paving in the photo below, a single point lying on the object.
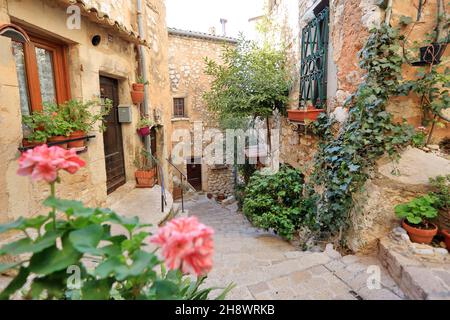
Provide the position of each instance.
(265, 267)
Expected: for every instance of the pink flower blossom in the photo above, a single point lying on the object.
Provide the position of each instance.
(187, 245)
(43, 163)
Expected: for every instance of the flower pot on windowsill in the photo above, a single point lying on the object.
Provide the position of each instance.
(137, 96)
(144, 132)
(76, 135)
(138, 87)
(28, 144)
(145, 178)
(59, 139)
(420, 234)
(302, 115)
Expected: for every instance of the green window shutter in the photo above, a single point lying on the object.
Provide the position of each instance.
(313, 73)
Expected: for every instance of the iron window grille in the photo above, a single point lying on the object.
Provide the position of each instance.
(178, 108)
(313, 74)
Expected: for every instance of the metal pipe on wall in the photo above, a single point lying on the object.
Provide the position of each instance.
(143, 70)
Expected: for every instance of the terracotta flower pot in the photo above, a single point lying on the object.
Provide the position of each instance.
(137, 96)
(446, 234)
(221, 197)
(78, 143)
(143, 132)
(138, 87)
(28, 144)
(302, 115)
(59, 139)
(420, 235)
(145, 179)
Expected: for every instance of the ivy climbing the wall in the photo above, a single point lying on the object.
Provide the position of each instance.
(345, 157)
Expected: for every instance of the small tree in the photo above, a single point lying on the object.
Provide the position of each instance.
(253, 81)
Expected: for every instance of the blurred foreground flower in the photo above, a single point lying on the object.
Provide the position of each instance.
(187, 245)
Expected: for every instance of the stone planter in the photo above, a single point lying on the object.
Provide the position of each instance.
(145, 178)
(420, 235)
(76, 135)
(310, 114)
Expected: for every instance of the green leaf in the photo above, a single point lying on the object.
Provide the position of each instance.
(26, 245)
(108, 267)
(165, 290)
(16, 284)
(87, 239)
(8, 266)
(97, 289)
(19, 224)
(52, 259)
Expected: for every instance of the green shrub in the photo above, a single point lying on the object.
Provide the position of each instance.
(276, 202)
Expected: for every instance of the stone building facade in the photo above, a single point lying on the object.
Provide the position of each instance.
(188, 83)
(114, 57)
(348, 28)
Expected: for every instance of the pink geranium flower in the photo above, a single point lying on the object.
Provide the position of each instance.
(187, 245)
(43, 163)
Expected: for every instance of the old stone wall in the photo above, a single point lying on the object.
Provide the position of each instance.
(188, 80)
(115, 57)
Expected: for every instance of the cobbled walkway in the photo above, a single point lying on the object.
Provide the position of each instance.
(264, 267)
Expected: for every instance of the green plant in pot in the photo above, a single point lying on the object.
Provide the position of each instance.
(144, 127)
(83, 119)
(34, 133)
(417, 215)
(145, 169)
(441, 186)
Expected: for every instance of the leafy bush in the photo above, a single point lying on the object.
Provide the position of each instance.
(418, 210)
(441, 185)
(275, 201)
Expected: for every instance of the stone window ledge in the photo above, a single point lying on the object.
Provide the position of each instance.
(180, 119)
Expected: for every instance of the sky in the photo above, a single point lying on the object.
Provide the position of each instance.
(201, 15)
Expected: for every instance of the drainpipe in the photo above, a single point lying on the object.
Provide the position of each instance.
(143, 64)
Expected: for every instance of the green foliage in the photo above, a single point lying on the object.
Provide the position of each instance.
(253, 81)
(275, 201)
(419, 139)
(144, 160)
(418, 210)
(144, 123)
(81, 116)
(141, 80)
(124, 269)
(345, 158)
(441, 185)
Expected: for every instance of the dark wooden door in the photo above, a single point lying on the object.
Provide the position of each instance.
(112, 137)
(194, 174)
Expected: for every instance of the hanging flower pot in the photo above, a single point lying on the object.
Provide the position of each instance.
(77, 135)
(137, 96)
(302, 115)
(432, 53)
(138, 86)
(144, 132)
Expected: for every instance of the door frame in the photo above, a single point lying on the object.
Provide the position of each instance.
(190, 162)
(116, 99)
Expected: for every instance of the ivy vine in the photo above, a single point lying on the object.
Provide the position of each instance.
(345, 157)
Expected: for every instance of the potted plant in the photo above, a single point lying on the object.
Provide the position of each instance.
(416, 216)
(307, 114)
(145, 170)
(83, 119)
(138, 92)
(144, 127)
(34, 133)
(441, 186)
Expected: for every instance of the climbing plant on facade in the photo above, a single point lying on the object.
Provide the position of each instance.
(345, 158)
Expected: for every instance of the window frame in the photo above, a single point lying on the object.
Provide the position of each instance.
(175, 106)
(59, 52)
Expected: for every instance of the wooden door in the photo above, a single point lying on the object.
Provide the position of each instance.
(112, 137)
(194, 174)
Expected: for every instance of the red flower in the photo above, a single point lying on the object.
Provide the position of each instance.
(187, 245)
(43, 163)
